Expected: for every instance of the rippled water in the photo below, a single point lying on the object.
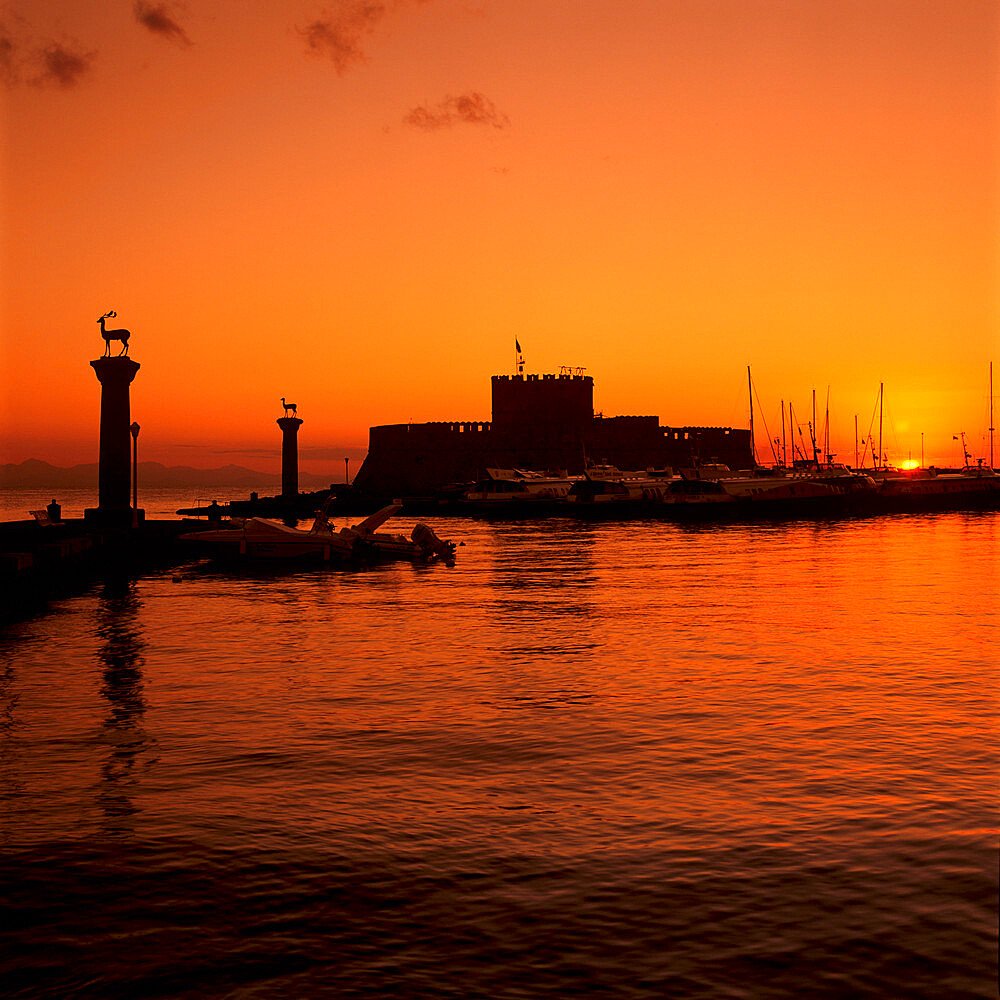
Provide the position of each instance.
(626, 760)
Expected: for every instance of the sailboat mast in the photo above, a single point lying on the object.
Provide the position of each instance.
(784, 451)
(881, 387)
(812, 431)
(826, 429)
(753, 447)
(855, 440)
(991, 414)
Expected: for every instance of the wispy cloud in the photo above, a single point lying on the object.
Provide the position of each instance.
(158, 19)
(339, 33)
(63, 65)
(470, 109)
(27, 57)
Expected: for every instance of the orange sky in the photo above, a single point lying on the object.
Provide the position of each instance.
(359, 206)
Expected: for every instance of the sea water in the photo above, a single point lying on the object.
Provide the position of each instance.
(626, 759)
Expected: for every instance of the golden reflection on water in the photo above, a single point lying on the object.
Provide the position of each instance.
(812, 705)
(120, 656)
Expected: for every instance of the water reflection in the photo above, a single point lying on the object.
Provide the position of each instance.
(11, 783)
(122, 730)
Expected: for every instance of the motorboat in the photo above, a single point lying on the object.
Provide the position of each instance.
(697, 492)
(259, 538)
(931, 487)
(423, 545)
(506, 486)
(606, 484)
(797, 484)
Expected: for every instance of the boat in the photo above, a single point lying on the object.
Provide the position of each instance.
(799, 484)
(514, 488)
(259, 538)
(423, 545)
(932, 488)
(695, 493)
(608, 485)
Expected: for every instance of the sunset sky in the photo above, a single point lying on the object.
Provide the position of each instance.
(360, 205)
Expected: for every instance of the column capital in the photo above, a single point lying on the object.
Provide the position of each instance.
(115, 369)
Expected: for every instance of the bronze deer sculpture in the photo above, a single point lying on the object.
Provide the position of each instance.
(110, 335)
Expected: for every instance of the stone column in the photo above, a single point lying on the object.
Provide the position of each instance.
(115, 376)
(289, 455)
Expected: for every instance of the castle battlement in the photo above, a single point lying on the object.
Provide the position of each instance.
(543, 378)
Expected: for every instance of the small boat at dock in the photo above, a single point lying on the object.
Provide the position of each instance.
(516, 491)
(608, 485)
(259, 538)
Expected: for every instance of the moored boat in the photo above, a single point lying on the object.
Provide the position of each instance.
(516, 491)
(925, 489)
(608, 485)
(258, 538)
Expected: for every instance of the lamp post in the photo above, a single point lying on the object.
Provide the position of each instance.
(347, 471)
(134, 430)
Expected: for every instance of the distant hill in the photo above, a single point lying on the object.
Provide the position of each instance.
(35, 474)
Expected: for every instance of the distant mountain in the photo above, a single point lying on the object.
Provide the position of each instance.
(35, 474)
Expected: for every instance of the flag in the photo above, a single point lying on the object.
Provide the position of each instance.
(517, 346)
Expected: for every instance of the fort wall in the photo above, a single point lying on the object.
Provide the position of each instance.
(540, 423)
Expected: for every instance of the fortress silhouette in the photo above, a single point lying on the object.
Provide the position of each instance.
(539, 422)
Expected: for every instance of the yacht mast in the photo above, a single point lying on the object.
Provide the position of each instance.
(753, 447)
(826, 429)
(784, 452)
(991, 414)
(812, 431)
(881, 387)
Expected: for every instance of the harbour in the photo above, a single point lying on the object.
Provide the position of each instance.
(544, 419)
(499, 501)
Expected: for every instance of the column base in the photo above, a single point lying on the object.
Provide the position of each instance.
(121, 517)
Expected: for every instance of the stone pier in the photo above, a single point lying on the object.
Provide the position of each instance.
(289, 455)
(114, 476)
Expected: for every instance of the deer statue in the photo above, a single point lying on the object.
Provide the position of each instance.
(110, 335)
(287, 406)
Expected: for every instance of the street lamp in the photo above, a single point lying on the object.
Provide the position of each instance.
(134, 430)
